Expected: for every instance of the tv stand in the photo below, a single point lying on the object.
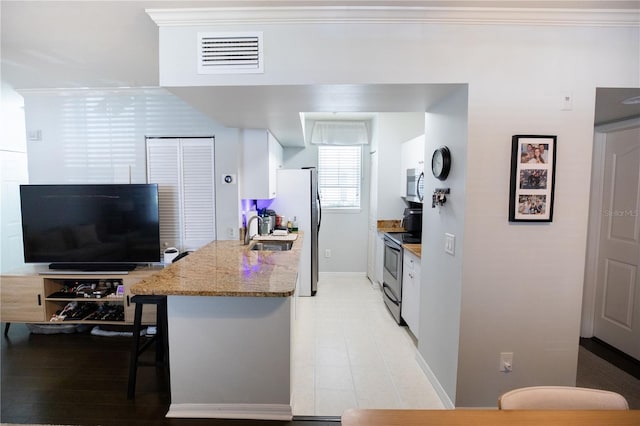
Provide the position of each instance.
(94, 267)
(35, 294)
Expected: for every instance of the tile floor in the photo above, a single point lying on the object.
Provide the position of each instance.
(348, 352)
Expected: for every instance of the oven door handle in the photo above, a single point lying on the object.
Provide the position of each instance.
(389, 294)
(392, 246)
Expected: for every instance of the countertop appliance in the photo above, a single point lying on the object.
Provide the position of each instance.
(412, 221)
(298, 197)
(392, 272)
(415, 185)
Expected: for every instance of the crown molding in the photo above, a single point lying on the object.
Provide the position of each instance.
(395, 15)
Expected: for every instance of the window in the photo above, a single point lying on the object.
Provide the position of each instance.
(339, 176)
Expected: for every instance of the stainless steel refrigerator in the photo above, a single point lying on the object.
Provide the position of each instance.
(297, 196)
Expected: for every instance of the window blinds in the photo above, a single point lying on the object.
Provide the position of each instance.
(339, 176)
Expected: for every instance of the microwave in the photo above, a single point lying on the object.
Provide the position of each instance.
(415, 185)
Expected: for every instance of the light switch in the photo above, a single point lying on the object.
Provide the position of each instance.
(450, 244)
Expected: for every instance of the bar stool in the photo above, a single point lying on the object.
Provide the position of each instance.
(160, 338)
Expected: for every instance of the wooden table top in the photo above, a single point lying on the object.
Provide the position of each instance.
(355, 417)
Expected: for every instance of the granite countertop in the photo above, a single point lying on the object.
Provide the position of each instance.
(227, 268)
(414, 248)
(392, 225)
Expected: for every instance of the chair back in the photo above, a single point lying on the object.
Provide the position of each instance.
(561, 398)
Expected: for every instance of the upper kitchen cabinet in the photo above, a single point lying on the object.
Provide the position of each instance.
(261, 158)
(411, 157)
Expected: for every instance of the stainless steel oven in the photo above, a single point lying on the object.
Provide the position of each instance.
(392, 275)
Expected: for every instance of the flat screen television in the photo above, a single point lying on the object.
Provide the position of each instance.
(90, 227)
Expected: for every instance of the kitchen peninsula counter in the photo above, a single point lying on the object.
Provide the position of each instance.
(228, 268)
(230, 312)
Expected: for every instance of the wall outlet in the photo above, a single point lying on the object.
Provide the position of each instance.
(327, 253)
(506, 362)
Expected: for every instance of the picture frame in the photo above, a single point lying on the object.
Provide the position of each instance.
(533, 170)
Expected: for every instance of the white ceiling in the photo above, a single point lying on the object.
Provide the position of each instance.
(278, 107)
(72, 44)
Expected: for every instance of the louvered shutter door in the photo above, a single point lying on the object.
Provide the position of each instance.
(183, 169)
(198, 196)
(163, 168)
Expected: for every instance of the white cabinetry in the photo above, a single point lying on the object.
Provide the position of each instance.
(411, 290)
(261, 158)
(411, 157)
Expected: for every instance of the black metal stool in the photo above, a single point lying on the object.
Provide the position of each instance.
(161, 338)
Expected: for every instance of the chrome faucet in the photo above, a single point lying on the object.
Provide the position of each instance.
(247, 237)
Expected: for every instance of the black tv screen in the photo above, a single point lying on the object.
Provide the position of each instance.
(90, 224)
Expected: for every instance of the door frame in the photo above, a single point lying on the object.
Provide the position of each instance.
(593, 230)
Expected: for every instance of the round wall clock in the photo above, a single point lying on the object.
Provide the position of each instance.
(441, 162)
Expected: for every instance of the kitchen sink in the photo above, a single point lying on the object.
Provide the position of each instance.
(272, 245)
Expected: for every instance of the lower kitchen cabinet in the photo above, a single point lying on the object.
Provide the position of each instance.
(410, 311)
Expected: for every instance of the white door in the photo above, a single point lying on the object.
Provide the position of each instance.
(183, 168)
(13, 172)
(617, 319)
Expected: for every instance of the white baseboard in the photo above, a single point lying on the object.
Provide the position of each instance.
(333, 275)
(444, 398)
(232, 411)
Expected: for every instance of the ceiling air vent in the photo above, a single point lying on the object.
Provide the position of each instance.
(239, 52)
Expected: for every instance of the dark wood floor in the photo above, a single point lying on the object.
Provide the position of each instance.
(612, 355)
(80, 379)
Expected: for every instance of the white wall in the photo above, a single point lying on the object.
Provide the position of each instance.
(13, 172)
(75, 122)
(343, 233)
(227, 161)
(516, 76)
(393, 130)
(441, 283)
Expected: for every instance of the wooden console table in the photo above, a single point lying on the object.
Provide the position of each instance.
(355, 417)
